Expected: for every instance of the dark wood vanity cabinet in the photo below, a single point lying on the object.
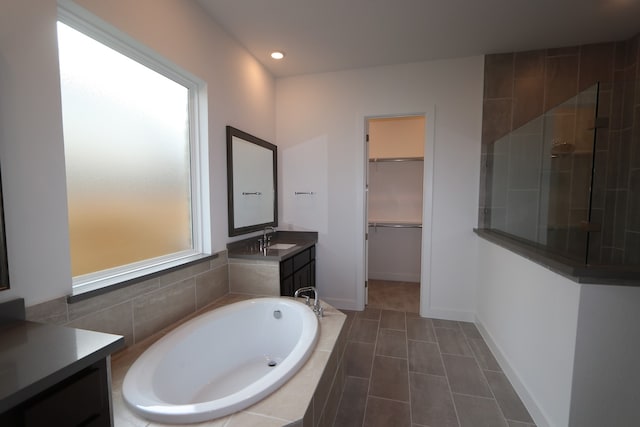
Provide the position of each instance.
(298, 271)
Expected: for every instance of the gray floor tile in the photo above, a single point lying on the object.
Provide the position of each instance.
(424, 357)
(390, 378)
(470, 330)
(478, 412)
(352, 405)
(359, 359)
(364, 330)
(385, 413)
(420, 329)
(369, 313)
(393, 320)
(431, 402)
(483, 355)
(453, 341)
(464, 376)
(440, 323)
(511, 405)
(392, 343)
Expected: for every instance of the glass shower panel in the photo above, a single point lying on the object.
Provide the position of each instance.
(539, 178)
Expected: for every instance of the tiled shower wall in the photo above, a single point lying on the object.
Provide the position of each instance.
(523, 85)
(139, 310)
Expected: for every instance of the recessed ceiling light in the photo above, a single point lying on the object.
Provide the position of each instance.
(277, 55)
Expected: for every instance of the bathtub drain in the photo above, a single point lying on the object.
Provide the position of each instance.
(272, 363)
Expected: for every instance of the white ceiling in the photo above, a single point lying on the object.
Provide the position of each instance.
(329, 35)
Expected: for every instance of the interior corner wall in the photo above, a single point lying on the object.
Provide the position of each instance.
(528, 315)
(241, 93)
(333, 107)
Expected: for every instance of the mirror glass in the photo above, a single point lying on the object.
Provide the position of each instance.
(252, 185)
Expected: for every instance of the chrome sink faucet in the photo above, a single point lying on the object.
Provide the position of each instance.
(266, 238)
(317, 308)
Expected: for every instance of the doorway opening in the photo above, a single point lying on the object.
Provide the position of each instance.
(394, 212)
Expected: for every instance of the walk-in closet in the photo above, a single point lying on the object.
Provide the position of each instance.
(394, 211)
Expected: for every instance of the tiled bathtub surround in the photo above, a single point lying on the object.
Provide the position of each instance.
(142, 309)
(309, 399)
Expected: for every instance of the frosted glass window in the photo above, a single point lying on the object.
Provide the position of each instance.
(127, 152)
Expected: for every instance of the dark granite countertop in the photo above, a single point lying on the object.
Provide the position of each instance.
(580, 273)
(249, 248)
(34, 357)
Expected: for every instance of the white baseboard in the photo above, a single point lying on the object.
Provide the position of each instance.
(342, 304)
(528, 400)
(394, 277)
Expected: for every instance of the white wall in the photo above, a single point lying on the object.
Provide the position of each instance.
(606, 376)
(528, 316)
(241, 94)
(332, 107)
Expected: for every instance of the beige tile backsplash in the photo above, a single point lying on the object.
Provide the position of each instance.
(140, 310)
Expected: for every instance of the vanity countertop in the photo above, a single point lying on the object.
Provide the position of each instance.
(249, 248)
(34, 357)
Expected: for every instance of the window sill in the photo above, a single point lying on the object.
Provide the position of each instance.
(572, 270)
(110, 284)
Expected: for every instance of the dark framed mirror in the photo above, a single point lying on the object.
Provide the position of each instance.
(4, 265)
(251, 182)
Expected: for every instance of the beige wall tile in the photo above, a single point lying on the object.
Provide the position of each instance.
(219, 261)
(184, 273)
(99, 302)
(157, 310)
(54, 311)
(114, 320)
(256, 278)
(211, 285)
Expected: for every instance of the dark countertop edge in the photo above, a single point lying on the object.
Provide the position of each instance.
(196, 259)
(579, 273)
(33, 389)
(303, 239)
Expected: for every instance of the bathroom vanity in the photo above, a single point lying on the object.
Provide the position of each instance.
(53, 375)
(289, 263)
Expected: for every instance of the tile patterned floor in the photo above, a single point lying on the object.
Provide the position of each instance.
(404, 370)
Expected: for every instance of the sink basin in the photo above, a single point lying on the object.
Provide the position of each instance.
(282, 246)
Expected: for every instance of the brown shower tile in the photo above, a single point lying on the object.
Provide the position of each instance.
(508, 400)
(464, 376)
(431, 402)
(478, 412)
(424, 358)
(529, 64)
(496, 119)
(560, 51)
(392, 343)
(528, 98)
(561, 80)
(385, 413)
(390, 379)
(596, 64)
(498, 72)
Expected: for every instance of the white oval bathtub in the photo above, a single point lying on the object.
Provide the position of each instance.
(222, 361)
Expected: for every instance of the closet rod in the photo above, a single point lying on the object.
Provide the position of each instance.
(397, 159)
(394, 225)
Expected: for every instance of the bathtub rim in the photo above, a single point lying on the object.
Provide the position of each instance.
(155, 409)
